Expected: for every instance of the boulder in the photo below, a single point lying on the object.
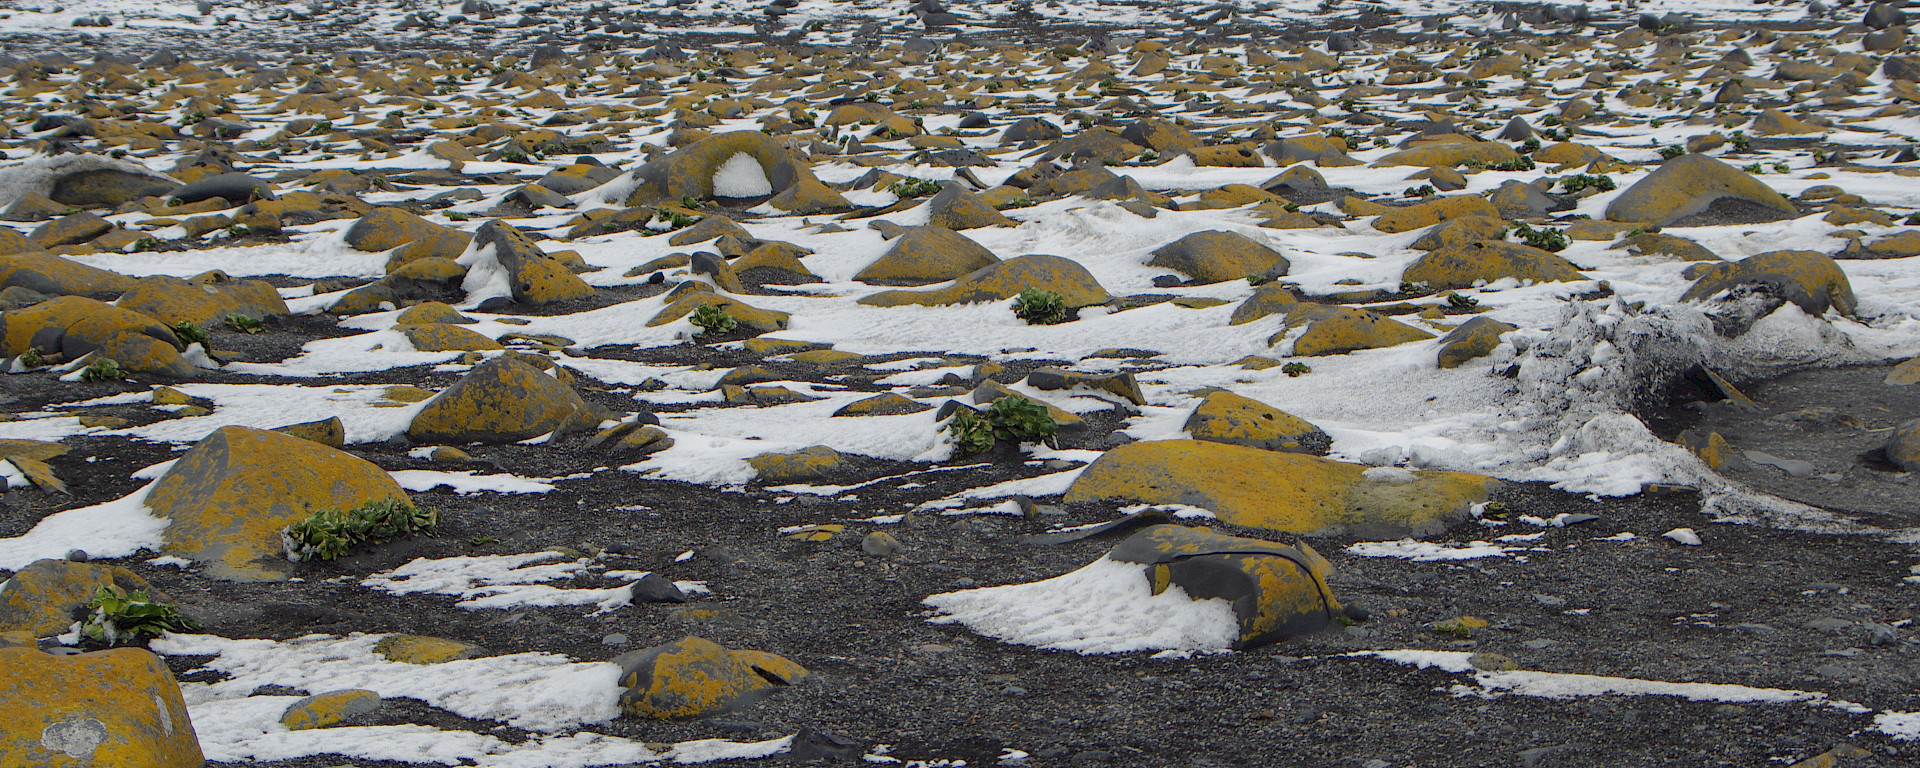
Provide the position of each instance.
(752, 318)
(691, 170)
(118, 708)
(1809, 279)
(228, 497)
(1098, 143)
(1224, 417)
(1457, 232)
(1903, 446)
(922, 255)
(883, 404)
(1450, 154)
(431, 312)
(72, 326)
(631, 437)
(1433, 212)
(1267, 299)
(1472, 339)
(235, 188)
(325, 710)
(1005, 280)
(109, 187)
(1486, 261)
(695, 677)
(422, 649)
(1216, 256)
(502, 400)
(1029, 129)
(1286, 492)
(1688, 185)
(708, 228)
(955, 208)
(1277, 591)
(330, 431)
(1163, 136)
(805, 464)
(48, 596)
(1121, 385)
(30, 457)
(500, 252)
(408, 236)
(1323, 151)
(55, 276)
(206, 300)
(443, 337)
(1665, 245)
(1332, 330)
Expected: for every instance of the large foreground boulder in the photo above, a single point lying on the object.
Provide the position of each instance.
(695, 677)
(503, 400)
(1284, 492)
(119, 708)
(228, 497)
(1004, 281)
(1688, 185)
(712, 167)
(71, 326)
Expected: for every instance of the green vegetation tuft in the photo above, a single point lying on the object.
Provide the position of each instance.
(1038, 306)
(115, 617)
(713, 321)
(328, 533)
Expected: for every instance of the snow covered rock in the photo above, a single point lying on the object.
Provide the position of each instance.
(229, 496)
(1224, 417)
(1809, 279)
(1167, 587)
(694, 171)
(500, 253)
(119, 707)
(694, 677)
(1277, 491)
(503, 400)
(1688, 185)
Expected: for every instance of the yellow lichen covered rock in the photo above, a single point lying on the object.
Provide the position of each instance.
(1688, 185)
(533, 277)
(955, 208)
(1335, 330)
(48, 596)
(695, 677)
(1224, 417)
(1474, 338)
(762, 320)
(384, 229)
(1810, 279)
(1568, 153)
(1450, 154)
(1433, 212)
(30, 457)
(72, 326)
(689, 172)
(503, 400)
(431, 312)
(883, 404)
(1216, 256)
(324, 710)
(55, 276)
(1268, 299)
(421, 649)
(204, 301)
(805, 464)
(1285, 492)
(228, 497)
(118, 708)
(442, 337)
(330, 431)
(1457, 232)
(1005, 280)
(1486, 261)
(931, 254)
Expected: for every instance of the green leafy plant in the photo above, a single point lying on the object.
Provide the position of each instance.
(1530, 146)
(116, 617)
(1017, 418)
(909, 188)
(1580, 181)
(103, 369)
(1671, 151)
(1258, 279)
(328, 533)
(1424, 190)
(1296, 369)
(1740, 141)
(713, 321)
(1149, 156)
(33, 357)
(148, 243)
(692, 203)
(971, 432)
(1522, 163)
(455, 216)
(1544, 239)
(1754, 168)
(674, 219)
(1039, 306)
(245, 324)
(239, 230)
(189, 333)
(1461, 302)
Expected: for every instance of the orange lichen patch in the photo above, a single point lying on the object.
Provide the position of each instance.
(1433, 212)
(695, 677)
(1335, 330)
(421, 649)
(1486, 261)
(229, 496)
(1280, 491)
(1004, 281)
(329, 709)
(442, 337)
(56, 276)
(117, 708)
(503, 400)
(205, 301)
(1224, 417)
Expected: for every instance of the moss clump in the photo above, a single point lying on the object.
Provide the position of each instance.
(117, 617)
(329, 533)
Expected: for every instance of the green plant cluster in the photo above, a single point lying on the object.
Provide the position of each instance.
(115, 617)
(1544, 239)
(1580, 181)
(1039, 306)
(1012, 418)
(189, 333)
(713, 321)
(103, 369)
(675, 219)
(909, 188)
(329, 533)
(1296, 369)
(245, 324)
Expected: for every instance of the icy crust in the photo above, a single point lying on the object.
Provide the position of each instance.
(1105, 607)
